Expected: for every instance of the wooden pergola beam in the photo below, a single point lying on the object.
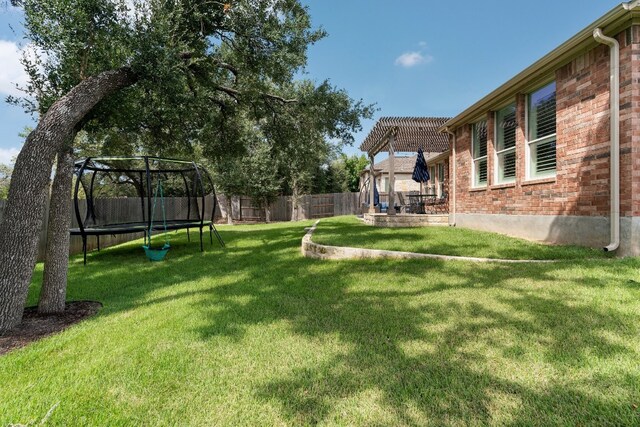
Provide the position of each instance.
(410, 133)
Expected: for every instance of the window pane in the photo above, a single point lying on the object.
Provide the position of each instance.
(542, 112)
(544, 157)
(480, 139)
(506, 125)
(481, 172)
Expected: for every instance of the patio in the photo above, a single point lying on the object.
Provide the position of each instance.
(405, 134)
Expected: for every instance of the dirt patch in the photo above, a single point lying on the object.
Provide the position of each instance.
(36, 326)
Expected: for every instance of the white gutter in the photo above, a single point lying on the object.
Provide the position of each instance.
(631, 5)
(614, 104)
(452, 190)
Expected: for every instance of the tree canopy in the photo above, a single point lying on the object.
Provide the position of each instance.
(161, 77)
(209, 73)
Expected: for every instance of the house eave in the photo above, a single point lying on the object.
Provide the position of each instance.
(442, 156)
(615, 21)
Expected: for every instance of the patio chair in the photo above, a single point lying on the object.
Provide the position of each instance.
(416, 204)
(441, 205)
(404, 206)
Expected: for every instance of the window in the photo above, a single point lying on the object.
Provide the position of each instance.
(385, 185)
(479, 153)
(440, 176)
(431, 188)
(542, 132)
(506, 144)
(436, 180)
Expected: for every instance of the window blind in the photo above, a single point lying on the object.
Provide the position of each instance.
(480, 139)
(542, 112)
(506, 125)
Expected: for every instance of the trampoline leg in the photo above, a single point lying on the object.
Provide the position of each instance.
(98, 238)
(188, 236)
(211, 235)
(201, 247)
(215, 230)
(84, 249)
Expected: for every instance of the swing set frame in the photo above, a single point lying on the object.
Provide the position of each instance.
(92, 166)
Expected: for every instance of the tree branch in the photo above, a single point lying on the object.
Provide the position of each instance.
(227, 66)
(279, 98)
(235, 94)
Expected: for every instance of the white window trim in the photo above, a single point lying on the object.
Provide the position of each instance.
(479, 159)
(497, 167)
(473, 175)
(535, 142)
(440, 183)
(496, 157)
(528, 144)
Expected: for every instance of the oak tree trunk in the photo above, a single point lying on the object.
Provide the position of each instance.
(229, 210)
(23, 213)
(267, 212)
(54, 285)
(294, 201)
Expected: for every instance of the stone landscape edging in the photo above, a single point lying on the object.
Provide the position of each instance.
(315, 250)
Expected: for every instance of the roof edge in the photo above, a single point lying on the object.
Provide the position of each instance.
(441, 156)
(616, 20)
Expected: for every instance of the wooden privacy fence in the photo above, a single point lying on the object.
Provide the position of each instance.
(308, 207)
(119, 210)
(322, 205)
(249, 211)
(129, 210)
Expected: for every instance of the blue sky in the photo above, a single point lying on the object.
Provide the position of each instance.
(410, 57)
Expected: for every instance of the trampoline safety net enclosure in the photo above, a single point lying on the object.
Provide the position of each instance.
(120, 193)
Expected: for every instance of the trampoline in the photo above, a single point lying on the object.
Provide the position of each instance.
(115, 195)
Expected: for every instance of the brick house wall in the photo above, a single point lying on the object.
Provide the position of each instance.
(581, 184)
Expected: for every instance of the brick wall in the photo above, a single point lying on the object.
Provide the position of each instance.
(581, 184)
(630, 116)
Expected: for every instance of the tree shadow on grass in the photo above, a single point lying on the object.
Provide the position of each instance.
(450, 380)
(428, 342)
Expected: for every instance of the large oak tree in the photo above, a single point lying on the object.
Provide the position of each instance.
(160, 69)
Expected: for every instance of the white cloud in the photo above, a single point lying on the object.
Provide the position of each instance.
(422, 44)
(11, 71)
(7, 155)
(411, 59)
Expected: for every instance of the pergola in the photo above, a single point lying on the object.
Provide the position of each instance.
(402, 134)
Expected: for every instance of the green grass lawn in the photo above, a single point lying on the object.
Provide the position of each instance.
(258, 335)
(442, 240)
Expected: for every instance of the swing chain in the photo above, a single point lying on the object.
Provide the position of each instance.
(153, 211)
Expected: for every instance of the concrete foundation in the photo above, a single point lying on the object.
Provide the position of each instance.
(566, 230)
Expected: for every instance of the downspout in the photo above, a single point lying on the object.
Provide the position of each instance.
(452, 179)
(614, 103)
